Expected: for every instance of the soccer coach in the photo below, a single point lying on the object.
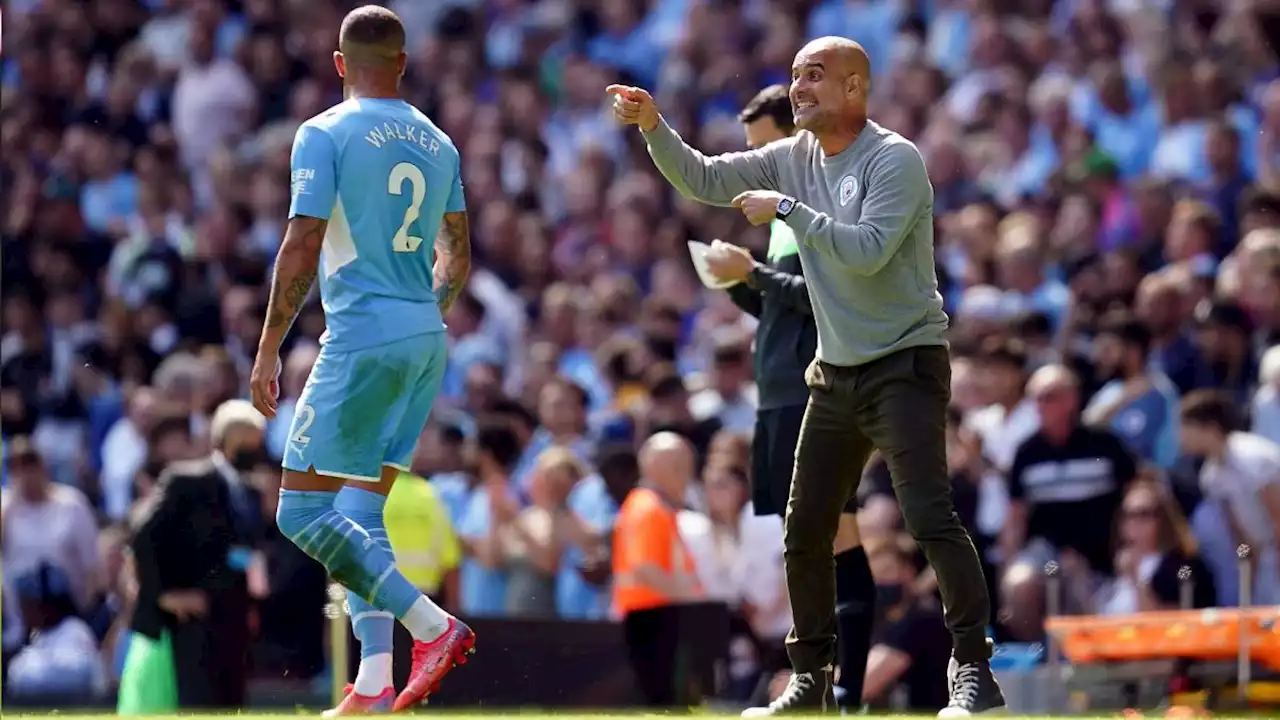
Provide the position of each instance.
(786, 340)
(859, 201)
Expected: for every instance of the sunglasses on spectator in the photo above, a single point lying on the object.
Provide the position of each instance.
(22, 460)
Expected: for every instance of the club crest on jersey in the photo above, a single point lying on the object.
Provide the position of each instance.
(848, 188)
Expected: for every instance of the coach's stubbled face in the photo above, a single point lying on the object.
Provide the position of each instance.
(817, 93)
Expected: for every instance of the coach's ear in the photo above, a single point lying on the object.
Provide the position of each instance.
(853, 86)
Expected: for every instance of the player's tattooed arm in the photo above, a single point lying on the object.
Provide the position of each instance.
(453, 259)
(295, 272)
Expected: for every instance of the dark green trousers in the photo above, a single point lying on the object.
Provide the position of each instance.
(898, 405)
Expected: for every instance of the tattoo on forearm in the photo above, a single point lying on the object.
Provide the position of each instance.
(295, 271)
(453, 259)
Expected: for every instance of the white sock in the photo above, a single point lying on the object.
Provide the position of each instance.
(374, 675)
(425, 621)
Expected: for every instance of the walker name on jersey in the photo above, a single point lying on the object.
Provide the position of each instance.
(391, 130)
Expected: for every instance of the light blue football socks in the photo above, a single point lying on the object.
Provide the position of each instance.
(372, 627)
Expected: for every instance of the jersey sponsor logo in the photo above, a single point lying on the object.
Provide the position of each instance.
(298, 180)
(848, 188)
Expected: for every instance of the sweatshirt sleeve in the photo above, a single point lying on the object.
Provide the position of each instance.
(789, 289)
(898, 195)
(718, 179)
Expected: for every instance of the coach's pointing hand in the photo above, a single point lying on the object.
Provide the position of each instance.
(634, 106)
(760, 206)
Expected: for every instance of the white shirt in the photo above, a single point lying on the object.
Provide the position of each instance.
(1266, 413)
(1249, 464)
(60, 531)
(124, 452)
(1002, 433)
(736, 416)
(1121, 596)
(210, 104)
(745, 569)
(64, 657)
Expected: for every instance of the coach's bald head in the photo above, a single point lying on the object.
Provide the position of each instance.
(667, 463)
(830, 80)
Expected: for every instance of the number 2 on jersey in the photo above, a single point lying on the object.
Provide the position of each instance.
(403, 241)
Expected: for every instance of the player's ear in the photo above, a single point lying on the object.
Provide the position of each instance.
(402, 62)
(339, 63)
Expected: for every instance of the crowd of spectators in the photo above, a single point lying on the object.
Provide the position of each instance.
(1107, 179)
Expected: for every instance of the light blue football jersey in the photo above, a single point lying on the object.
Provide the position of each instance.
(383, 175)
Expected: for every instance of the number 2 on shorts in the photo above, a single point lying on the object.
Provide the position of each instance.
(305, 416)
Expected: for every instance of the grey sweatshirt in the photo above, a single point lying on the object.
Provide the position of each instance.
(864, 221)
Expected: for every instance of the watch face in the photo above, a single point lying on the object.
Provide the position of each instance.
(785, 205)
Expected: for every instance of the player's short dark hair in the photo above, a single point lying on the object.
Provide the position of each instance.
(371, 33)
(496, 438)
(1127, 328)
(1211, 407)
(772, 102)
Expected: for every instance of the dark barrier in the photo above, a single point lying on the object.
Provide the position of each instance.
(564, 664)
(520, 663)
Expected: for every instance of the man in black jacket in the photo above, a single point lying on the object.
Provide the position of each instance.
(786, 340)
(192, 544)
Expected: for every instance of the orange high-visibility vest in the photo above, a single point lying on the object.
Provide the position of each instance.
(646, 533)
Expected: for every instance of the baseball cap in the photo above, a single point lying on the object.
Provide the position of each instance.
(42, 583)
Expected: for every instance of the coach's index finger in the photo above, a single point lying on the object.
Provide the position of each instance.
(628, 92)
(742, 198)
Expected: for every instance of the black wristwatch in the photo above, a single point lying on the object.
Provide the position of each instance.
(785, 206)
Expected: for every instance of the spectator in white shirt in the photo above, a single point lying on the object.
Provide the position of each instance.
(1266, 401)
(213, 100)
(1241, 484)
(124, 452)
(738, 559)
(45, 523)
(62, 657)
(1002, 426)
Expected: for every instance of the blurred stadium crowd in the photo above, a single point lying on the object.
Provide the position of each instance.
(1107, 178)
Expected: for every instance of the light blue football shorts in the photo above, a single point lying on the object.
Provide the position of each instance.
(365, 409)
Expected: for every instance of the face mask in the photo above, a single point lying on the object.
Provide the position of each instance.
(246, 459)
(888, 596)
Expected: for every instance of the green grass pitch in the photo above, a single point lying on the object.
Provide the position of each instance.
(532, 715)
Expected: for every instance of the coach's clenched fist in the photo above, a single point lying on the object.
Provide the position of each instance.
(760, 206)
(634, 106)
